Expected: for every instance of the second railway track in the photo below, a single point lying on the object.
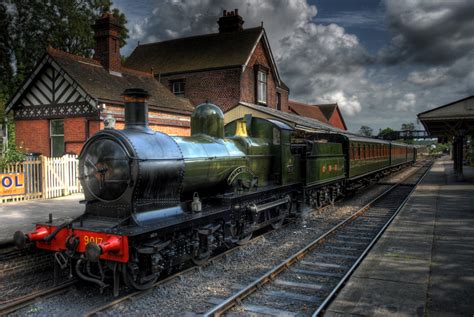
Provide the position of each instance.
(306, 282)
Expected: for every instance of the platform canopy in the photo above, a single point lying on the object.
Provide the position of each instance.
(451, 120)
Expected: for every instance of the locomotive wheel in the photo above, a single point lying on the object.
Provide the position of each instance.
(201, 258)
(244, 240)
(333, 196)
(138, 284)
(282, 210)
(278, 224)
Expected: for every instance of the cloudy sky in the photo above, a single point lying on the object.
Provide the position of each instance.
(381, 61)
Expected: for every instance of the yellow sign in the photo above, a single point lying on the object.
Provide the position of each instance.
(12, 184)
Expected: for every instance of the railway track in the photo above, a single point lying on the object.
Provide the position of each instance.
(15, 304)
(306, 282)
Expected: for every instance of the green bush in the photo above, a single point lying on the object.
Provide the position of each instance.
(11, 154)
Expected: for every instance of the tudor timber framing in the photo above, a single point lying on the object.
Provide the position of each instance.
(49, 92)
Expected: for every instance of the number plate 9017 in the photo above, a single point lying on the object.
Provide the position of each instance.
(89, 239)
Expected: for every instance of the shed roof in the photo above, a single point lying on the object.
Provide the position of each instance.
(296, 120)
(453, 119)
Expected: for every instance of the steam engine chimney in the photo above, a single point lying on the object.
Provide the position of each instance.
(136, 108)
(230, 22)
(107, 36)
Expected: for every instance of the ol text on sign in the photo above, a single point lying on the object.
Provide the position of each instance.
(12, 184)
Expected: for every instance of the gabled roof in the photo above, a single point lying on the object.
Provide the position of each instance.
(209, 51)
(306, 110)
(329, 109)
(100, 85)
(201, 52)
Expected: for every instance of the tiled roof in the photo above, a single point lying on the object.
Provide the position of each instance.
(306, 110)
(210, 51)
(102, 85)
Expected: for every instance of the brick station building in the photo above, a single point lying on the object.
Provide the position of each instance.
(67, 97)
(227, 67)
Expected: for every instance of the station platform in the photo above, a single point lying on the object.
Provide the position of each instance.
(22, 215)
(423, 265)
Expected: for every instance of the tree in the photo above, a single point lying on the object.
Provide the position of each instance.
(385, 133)
(366, 131)
(26, 29)
(6, 53)
(66, 25)
(410, 126)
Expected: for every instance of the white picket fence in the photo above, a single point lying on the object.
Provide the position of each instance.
(46, 177)
(60, 177)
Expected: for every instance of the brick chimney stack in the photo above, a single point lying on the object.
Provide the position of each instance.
(107, 38)
(230, 22)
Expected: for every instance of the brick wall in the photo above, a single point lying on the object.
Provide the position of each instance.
(94, 127)
(33, 136)
(260, 57)
(75, 134)
(336, 120)
(169, 123)
(284, 100)
(221, 87)
(226, 87)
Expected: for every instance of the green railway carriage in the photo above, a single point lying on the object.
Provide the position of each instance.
(363, 156)
(398, 154)
(367, 156)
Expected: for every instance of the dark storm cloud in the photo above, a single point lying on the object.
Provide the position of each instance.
(431, 51)
(429, 31)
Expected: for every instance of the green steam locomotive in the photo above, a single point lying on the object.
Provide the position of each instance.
(155, 202)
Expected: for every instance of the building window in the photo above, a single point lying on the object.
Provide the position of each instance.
(262, 86)
(177, 87)
(278, 101)
(57, 137)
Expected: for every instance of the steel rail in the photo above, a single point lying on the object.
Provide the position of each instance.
(15, 304)
(351, 270)
(227, 304)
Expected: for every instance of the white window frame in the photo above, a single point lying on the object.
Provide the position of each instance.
(262, 80)
(51, 135)
(175, 88)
